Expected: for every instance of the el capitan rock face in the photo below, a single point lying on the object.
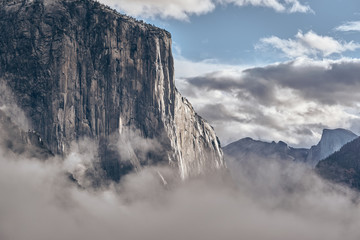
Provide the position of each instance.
(79, 69)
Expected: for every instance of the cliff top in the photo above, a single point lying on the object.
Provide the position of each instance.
(15, 5)
(338, 131)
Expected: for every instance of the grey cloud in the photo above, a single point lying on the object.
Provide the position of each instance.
(257, 116)
(304, 131)
(337, 83)
(212, 82)
(245, 87)
(218, 112)
(275, 101)
(314, 111)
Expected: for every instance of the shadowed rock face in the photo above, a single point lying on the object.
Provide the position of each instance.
(79, 69)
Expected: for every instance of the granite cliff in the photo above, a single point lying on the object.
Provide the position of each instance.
(79, 69)
(331, 141)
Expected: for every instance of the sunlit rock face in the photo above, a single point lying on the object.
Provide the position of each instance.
(79, 69)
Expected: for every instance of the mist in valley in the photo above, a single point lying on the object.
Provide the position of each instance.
(253, 199)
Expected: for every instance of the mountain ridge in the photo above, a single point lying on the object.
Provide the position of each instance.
(248, 147)
(331, 141)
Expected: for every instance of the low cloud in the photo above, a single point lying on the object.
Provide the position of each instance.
(349, 26)
(183, 9)
(9, 107)
(264, 200)
(290, 101)
(309, 44)
(259, 200)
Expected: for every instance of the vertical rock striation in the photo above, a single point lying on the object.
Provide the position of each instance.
(79, 69)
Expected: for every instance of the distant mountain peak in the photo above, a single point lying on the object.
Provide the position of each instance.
(331, 141)
(327, 131)
(247, 148)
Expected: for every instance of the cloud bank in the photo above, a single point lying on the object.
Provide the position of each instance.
(267, 201)
(183, 9)
(291, 101)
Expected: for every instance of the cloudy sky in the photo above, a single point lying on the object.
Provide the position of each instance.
(266, 69)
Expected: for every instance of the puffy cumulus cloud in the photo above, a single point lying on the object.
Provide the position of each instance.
(290, 6)
(177, 9)
(349, 26)
(290, 101)
(183, 9)
(296, 6)
(266, 200)
(309, 44)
